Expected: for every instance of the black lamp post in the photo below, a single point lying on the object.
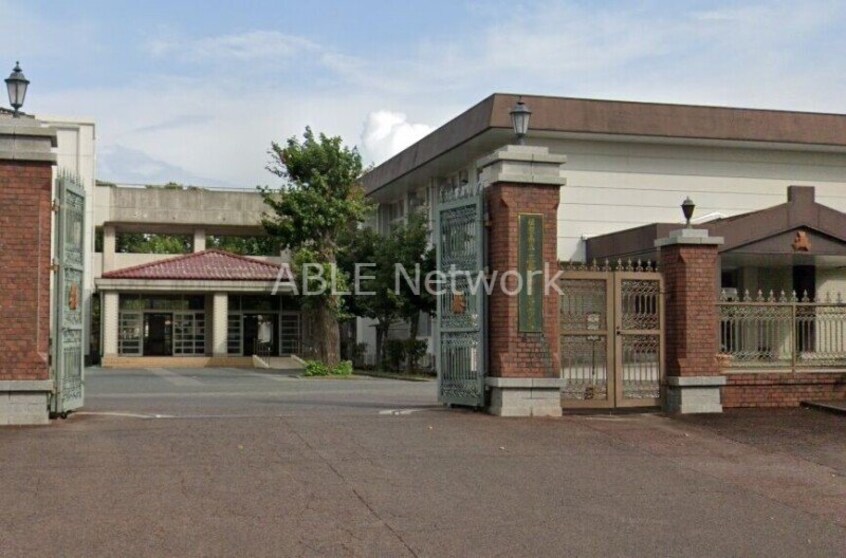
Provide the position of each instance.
(16, 84)
(687, 208)
(520, 115)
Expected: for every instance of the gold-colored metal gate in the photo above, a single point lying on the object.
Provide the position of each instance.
(612, 336)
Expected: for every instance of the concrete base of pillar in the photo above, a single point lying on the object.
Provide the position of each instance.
(24, 402)
(694, 394)
(525, 397)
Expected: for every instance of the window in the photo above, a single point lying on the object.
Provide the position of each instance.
(129, 333)
(393, 214)
(233, 334)
(189, 333)
(289, 333)
(418, 201)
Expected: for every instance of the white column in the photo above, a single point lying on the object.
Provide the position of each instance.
(110, 323)
(199, 240)
(220, 313)
(109, 243)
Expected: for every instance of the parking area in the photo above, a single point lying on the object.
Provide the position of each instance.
(253, 463)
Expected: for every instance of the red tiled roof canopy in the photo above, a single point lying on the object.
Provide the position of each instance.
(208, 265)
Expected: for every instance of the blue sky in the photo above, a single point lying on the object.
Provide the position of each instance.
(196, 91)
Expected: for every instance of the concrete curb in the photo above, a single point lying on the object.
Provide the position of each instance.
(833, 407)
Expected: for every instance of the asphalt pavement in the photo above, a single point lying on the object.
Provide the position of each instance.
(254, 463)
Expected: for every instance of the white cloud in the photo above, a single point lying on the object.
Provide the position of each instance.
(227, 97)
(387, 133)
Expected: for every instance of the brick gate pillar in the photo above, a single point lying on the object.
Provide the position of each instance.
(689, 261)
(26, 182)
(522, 194)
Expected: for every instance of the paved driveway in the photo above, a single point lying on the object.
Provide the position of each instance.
(245, 463)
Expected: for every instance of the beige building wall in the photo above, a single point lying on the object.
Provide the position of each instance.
(616, 185)
(77, 153)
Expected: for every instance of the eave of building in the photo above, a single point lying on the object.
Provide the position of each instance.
(192, 286)
(486, 126)
(210, 228)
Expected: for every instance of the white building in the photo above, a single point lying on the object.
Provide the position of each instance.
(631, 165)
(77, 153)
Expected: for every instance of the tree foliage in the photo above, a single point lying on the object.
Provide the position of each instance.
(405, 246)
(320, 198)
(245, 245)
(147, 243)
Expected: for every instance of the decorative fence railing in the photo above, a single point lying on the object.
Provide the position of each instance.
(609, 265)
(782, 332)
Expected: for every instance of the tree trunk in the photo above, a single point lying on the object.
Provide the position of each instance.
(381, 334)
(327, 336)
(413, 329)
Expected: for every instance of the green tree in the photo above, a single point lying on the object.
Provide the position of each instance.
(374, 254)
(245, 245)
(319, 199)
(146, 243)
(411, 243)
(406, 246)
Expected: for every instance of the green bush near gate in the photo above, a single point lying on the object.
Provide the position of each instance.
(315, 368)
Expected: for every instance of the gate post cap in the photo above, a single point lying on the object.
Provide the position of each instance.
(27, 139)
(522, 164)
(689, 237)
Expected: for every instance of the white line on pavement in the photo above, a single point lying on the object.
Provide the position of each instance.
(399, 412)
(125, 415)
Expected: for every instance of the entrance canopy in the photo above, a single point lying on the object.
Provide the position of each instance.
(212, 306)
(800, 232)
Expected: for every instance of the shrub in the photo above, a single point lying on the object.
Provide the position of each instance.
(345, 368)
(315, 368)
(395, 352)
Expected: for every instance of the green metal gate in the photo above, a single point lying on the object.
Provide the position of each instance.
(68, 354)
(460, 342)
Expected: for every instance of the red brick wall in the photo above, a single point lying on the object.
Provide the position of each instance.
(690, 309)
(25, 222)
(782, 389)
(514, 354)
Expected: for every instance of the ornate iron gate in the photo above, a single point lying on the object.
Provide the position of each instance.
(612, 340)
(461, 308)
(69, 266)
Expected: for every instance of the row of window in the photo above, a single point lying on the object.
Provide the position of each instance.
(184, 333)
(179, 333)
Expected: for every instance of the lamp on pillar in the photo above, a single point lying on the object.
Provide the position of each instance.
(687, 208)
(520, 115)
(16, 85)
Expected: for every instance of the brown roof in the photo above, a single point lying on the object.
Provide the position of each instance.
(209, 265)
(768, 230)
(587, 116)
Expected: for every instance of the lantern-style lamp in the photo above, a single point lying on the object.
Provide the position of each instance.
(520, 115)
(16, 85)
(687, 208)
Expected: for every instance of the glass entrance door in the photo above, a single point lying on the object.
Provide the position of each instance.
(158, 334)
(260, 334)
